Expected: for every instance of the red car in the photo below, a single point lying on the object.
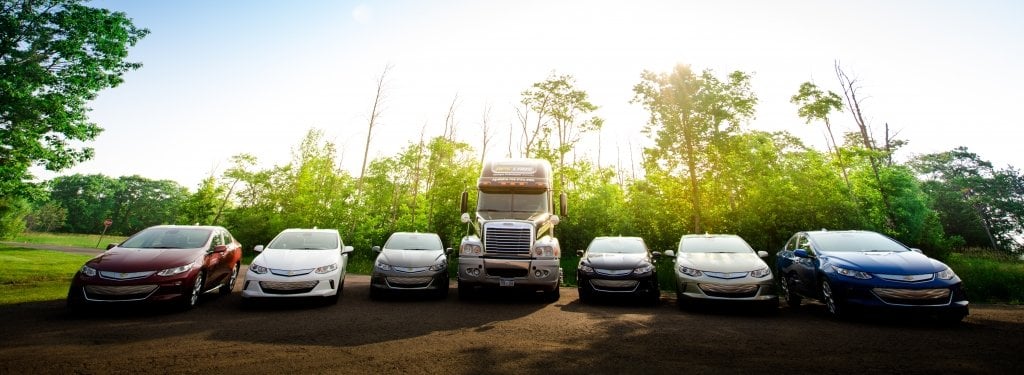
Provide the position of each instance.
(166, 263)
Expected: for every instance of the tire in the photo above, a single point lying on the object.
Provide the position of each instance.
(442, 292)
(190, 299)
(654, 297)
(74, 304)
(466, 291)
(832, 303)
(376, 294)
(552, 295)
(333, 300)
(791, 297)
(229, 285)
(586, 295)
(680, 300)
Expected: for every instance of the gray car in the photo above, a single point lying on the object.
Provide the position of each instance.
(722, 267)
(410, 262)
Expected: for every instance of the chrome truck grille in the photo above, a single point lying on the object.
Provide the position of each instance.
(508, 238)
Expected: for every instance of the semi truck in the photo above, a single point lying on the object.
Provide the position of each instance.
(510, 241)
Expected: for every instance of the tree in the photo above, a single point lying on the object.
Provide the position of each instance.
(47, 217)
(690, 117)
(201, 207)
(55, 56)
(816, 105)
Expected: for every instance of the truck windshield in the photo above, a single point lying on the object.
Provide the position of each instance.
(512, 205)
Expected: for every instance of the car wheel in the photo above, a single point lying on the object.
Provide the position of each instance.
(792, 299)
(552, 295)
(192, 298)
(230, 284)
(75, 305)
(831, 301)
(442, 292)
(376, 293)
(586, 295)
(680, 301)
(654, 297)
(466, 291)
(333, 300)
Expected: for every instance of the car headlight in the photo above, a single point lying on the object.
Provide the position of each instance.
(257, 268)
(690, 271)
(945, 274)
(585, 268)
(382, 266)
(175, 270)
(327, 268)
(471, 249)
(440, 265)
(851, 273)
(647, 268)
(545, 251)
(764, 272)
(88, 271)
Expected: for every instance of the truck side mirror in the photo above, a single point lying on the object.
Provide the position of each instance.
(562, 204)
(464, 205)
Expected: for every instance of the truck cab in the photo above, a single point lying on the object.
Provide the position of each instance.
(512, 240)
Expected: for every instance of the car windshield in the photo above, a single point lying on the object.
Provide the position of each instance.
(714, 244)
(305, 241)
(511, 205)
(169, 238)
(855, 242)
(413, 241)
(616, 246)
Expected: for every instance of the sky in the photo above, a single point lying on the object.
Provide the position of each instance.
(221, 78)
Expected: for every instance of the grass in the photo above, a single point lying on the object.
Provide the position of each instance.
(990, 276)
(68, 239)
(29, 275)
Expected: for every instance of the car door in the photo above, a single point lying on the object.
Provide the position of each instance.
(214, 261)
(805, 268)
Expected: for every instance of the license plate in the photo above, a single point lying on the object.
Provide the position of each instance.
(506, 282)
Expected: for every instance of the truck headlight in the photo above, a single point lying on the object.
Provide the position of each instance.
(470, 249)
(545, 251)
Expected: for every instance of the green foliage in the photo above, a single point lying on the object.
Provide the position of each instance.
(990, 276)
(28, 275)
(12, 216)
(131, 202)
(55, 56)
(201, 207)
(69, 239)
(46, 218)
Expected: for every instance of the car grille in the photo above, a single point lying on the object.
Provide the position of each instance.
(125, 275)
(290, 273)
(729, 291)
(288, 287)
(613, 272)
(908, 278)
(118, 292)
(614, 284)
(915, 297)
(726, 275)
(407, 282)
(502, 239)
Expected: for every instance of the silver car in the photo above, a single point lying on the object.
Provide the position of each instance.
(722, 267)
(410, 262)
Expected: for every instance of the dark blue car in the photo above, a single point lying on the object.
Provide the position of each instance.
(861, 269)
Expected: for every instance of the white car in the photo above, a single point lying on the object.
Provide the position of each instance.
(722, 267)
(298, 263)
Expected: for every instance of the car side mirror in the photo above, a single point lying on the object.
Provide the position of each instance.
(465, 217)
(670, 253)
(258, 249)
(375, 249)
(762, 254)
(579, 253)
(347, 250)
(656, 254)
(111, 246)
(219, 249)
(917, 250)
(448, 251)
(801, 253)
(554, 219)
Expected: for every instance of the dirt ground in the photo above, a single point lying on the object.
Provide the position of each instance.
(498, 334)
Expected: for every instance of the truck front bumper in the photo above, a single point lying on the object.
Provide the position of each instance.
(539, 274)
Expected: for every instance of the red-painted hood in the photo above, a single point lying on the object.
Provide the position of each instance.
(138, 260)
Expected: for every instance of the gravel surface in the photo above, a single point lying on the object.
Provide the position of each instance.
(502, 333)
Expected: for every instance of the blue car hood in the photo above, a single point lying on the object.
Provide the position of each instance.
(892, 263)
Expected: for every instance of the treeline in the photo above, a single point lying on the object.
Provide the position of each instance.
(705, 172)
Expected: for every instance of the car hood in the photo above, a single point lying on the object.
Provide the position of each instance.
(284, 259)
(892, 263)
(722, 262)
(410, 258)
(614, 261)
(137, 260)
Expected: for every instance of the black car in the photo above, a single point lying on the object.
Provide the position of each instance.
(618, 266)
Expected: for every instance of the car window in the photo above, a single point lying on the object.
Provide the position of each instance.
(218, 239)
(414, 241)
(617, 245)
(227, 237)
(169, 238)
(856, 242)
(714, 244)
(802, 242)
(298, 240)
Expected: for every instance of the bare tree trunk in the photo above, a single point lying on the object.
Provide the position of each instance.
(224, 202)
(449, 120)
(416, 173)
(691, 165)
(485, 129)
(850, 92)
(375, 113)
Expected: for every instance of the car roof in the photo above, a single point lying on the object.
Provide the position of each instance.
(309, 230)
(187, 226)
(709, 235)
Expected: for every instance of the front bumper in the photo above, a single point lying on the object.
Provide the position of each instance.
(537, 274)
(750, 289)
(642, 284)
(935, 296)
(152, 289)
(269, 285)
(398, 280)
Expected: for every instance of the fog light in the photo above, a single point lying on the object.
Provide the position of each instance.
(538, 274)
(473, 271)
(546, 273)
